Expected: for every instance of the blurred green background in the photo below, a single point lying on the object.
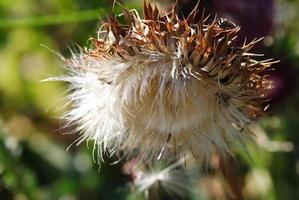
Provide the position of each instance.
(34, 161)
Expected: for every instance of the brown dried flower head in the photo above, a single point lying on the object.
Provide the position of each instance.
(159, 87)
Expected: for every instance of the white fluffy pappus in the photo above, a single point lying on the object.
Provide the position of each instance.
(156, 182)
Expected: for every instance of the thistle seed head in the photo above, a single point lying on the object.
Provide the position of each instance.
(159, 87)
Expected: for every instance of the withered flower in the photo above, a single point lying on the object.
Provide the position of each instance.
(159, 87)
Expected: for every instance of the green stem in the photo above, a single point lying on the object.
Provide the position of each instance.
(78, 16)
(73, 17)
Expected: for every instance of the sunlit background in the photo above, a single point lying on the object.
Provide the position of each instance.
(34, 160)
